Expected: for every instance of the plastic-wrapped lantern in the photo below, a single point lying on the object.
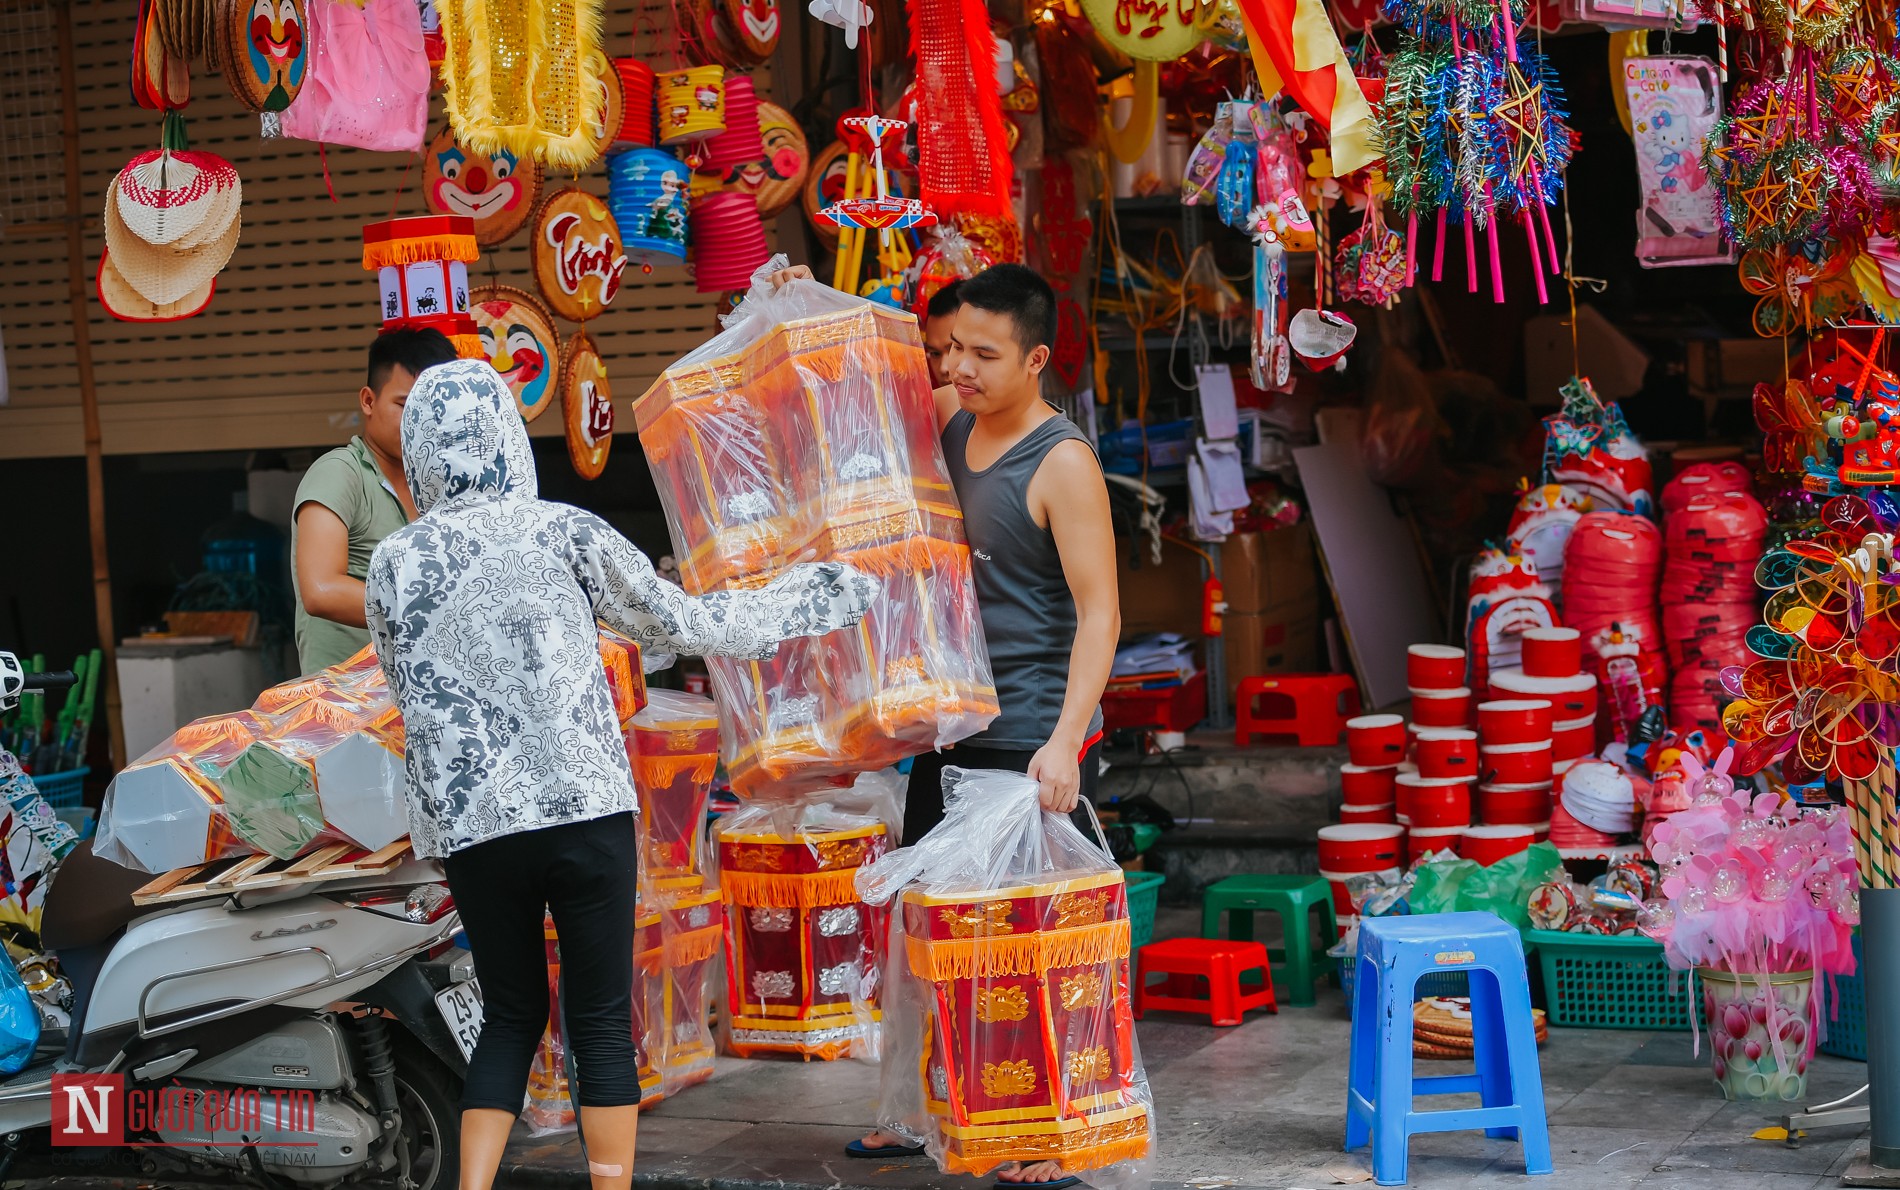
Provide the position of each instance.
(421, 265)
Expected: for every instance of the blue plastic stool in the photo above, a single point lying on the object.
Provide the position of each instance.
(1393, 953)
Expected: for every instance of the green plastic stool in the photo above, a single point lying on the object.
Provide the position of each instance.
(1294, 898)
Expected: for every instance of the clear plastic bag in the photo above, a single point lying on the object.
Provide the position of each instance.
(803, 960)
(806, 430)
(1007, 991)
(315, 760)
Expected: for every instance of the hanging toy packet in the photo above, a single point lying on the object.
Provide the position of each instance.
(1204, 164)
(1674, 104)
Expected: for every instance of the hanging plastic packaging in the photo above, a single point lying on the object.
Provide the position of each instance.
(1008, 1034)
(806, 431)
(19, 1020)
(802, 949)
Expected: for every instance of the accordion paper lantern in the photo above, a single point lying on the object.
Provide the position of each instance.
(647, 193)
(315, 761)
(807, 430)
(801, 949)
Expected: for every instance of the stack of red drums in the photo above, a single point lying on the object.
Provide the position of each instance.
(1553, 672)
(1356, 849)
(1436, 677)
(1516, 759)
(1713, 529)
(1614, 561)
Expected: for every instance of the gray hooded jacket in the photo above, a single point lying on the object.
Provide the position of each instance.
(483, 613)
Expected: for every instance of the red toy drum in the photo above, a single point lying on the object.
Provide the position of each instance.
(1574, 739)
(1375, 740)
(1514, 721)
(1435, 807)
(1363, 786)
(1514, 805)
(799, 943)
(1488, 844)
(1553, 652)
(1446, 752)
(1409, 787)
(1434, 667)
(1382, 813)
(1359, 847)
(1421, 843)
(1569, 698)
(1029, 1053)
(1517, 764)
(1447, 708)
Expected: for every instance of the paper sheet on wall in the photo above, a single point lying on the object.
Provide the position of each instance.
(1219, 416)
(1226, 476)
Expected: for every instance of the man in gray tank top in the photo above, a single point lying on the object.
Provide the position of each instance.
(1042, 555)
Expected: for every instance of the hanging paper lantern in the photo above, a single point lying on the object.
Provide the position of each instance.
(646, 191)
(498, 191)
(728, 241)
(576, 253)
(520, 340)
(421, 265)
(692, 104)
(525, 76)
(636, 117)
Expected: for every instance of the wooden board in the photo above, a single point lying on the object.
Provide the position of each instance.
(254, 873)
(277, 359)
(1371, 562)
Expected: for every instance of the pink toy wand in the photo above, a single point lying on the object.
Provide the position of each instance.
(1491, 236)
(1411, 242)
(1438, 248)
(1537, 269)
(1543, 215)
(1471, 254)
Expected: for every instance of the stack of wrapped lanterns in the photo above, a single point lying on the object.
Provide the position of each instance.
(672, 744)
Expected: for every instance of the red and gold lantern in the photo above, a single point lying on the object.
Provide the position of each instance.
(802, 950)
(674, 746)
(1029, 1052)
(421, 264)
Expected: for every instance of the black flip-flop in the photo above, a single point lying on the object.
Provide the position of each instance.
(864, 1152)
(1057, 1184)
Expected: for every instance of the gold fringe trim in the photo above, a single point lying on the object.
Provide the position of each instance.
(468, 346)
(783, 890)
(1038, 953)
(1030, 1150)
(468, 94)
(695, 947)
(416, 249)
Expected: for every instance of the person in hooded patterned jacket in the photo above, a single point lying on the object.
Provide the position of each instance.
(483, 611)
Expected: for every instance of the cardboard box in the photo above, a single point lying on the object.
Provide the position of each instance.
(1273, 569)
(1734, 365)
(1614, 363)
(1164, 598)
(1279, 641)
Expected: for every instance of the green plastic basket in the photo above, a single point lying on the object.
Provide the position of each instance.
(1144, 896)
(1596, 981)
(62, 791)
(1846, 1014)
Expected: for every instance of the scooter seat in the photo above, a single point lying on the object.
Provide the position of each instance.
(90, 900)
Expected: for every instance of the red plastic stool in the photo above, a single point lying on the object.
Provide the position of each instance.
(1219, 962)
(1313, 708)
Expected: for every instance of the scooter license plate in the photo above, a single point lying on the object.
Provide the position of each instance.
(461, 1008)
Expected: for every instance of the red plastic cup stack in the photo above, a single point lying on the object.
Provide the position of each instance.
(1354, 849)
(1614, 564)
(1436, 677)
(1713, 528)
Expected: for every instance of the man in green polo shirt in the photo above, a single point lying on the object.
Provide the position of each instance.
(352, 498)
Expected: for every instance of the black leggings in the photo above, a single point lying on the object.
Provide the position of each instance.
(587, 875)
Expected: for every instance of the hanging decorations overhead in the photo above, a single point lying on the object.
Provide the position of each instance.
(526, 77)
(421, 264)
(963, 148)
(587, 406)
(498, 191)
(171, 224)
(578, 260)
(265, 51)
(519, 338)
